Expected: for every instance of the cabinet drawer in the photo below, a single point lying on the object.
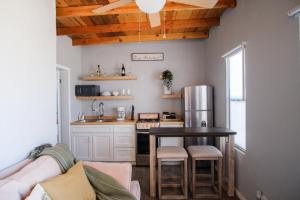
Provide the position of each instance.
(124, 140)
(124, 154)
(124, 129)
(92, 129)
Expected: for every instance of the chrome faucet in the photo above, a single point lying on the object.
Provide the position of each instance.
(101, 109)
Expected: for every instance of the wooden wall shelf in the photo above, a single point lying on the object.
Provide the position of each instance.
(171, 96)
(108, 78)
(104, 97)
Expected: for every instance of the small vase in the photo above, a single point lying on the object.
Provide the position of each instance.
(167, 90)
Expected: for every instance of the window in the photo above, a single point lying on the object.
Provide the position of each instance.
(236, 94)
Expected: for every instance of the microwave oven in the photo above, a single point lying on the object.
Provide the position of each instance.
(87, 90)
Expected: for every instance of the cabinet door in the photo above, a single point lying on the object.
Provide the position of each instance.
(124, 136)
(124, 154)
(124, 140)
(103, 147)
(81, 146)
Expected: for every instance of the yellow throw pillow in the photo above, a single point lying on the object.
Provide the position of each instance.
(71, 185)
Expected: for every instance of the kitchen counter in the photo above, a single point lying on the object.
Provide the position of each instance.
(192, 132)
(164, 122)
(172, 122)
(113, 122)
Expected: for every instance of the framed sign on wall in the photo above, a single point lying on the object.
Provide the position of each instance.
(147, 56)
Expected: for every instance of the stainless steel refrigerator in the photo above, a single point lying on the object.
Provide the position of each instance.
(197, 111)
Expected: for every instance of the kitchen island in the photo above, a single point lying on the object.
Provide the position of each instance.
(226, 144)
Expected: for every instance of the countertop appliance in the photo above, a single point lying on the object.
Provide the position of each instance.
(197, 110)
(144, 123)
(87, 90)
(169, 115)
(121, 113)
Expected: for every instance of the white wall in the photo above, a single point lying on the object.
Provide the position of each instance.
(184, 58)
(70, 56)
(271, 162)
(27, 77)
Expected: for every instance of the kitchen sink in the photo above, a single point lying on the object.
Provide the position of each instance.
(104, 120)
(97, 120)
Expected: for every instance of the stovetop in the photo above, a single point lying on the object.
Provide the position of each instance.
(147, 120)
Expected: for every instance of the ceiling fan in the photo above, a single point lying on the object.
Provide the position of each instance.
(152, 7)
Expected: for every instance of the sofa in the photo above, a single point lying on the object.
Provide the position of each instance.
(19, 181)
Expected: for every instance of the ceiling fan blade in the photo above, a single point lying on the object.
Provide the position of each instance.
(154, 19)
(111, 6)
(198, 3)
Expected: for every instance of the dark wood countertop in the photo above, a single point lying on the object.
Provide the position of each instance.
(192, 132)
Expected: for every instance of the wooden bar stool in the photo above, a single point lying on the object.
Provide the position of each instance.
(209, 153)
(171, 154)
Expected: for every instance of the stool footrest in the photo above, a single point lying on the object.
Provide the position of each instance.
(171, 185)
(171, 177)
(173, 197)
(215, 196)
(203, 175)
(203, 184)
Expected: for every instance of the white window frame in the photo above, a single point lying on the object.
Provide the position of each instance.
(231, 53)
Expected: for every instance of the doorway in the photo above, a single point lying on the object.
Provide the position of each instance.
(63, 104)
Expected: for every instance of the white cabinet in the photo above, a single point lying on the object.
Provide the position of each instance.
(124, 154)
(104, 142)
(124, 143)
(81, 146)
(103, 147)
(171, 141)
(124, 136)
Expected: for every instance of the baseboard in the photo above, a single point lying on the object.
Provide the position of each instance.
(239, 195)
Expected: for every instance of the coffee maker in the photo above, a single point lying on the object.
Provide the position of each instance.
(121, 113)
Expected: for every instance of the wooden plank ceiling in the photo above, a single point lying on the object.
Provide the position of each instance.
(128, 24)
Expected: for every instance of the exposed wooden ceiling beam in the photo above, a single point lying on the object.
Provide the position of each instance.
(144, 26)
(144, 38)
(76, 11)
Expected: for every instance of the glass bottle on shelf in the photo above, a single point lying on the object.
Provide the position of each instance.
(98, 71)
(123, 70)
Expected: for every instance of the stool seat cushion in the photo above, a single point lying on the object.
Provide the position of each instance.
(204, 151)
(171, 152)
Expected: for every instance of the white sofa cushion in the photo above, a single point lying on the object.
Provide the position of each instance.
(38, 193)
(10, 191)
(13, 169)
(41, 169)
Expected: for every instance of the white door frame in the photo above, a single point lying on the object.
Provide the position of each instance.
(67, 99)
(58, 106)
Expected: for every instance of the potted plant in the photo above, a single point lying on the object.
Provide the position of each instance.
(167, 78)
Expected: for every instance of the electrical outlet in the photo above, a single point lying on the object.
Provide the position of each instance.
(258, 195)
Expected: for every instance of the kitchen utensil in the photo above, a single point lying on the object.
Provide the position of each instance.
(115, 93)
(123, 92)
(106, 93)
